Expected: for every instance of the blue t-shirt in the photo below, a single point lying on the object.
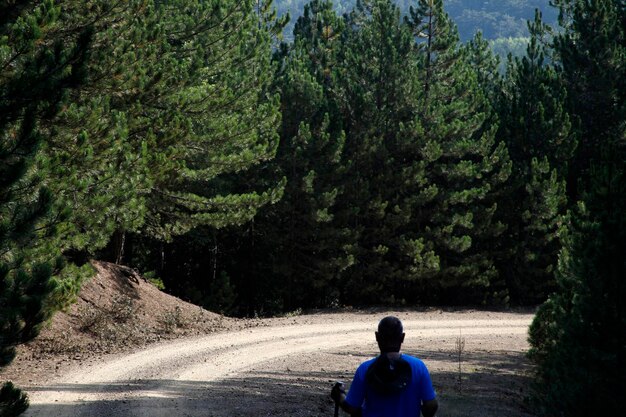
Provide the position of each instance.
(404, 404)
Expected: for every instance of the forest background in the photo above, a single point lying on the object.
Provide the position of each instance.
(377, 156)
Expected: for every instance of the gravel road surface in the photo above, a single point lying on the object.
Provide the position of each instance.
(285, 368)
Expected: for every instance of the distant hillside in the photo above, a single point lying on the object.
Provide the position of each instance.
(495, 18)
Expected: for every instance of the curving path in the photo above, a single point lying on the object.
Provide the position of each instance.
(189, 377)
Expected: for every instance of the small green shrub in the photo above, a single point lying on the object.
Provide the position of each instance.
(172, 320)
(154, 280)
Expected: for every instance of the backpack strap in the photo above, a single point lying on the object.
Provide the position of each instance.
(388, 376)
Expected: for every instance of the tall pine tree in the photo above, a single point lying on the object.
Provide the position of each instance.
(590, 54)
(466, 166)
(578, 336)
(375, 102)
(224, 52)
(306, 243)
(290, 255)
(540, 138)
(229, 119)
(160, 117)
(38, 69)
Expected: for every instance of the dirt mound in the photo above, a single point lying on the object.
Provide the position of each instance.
(117, 311)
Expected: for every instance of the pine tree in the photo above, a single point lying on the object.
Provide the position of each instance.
(540, 139)
(160, 117)
(590, 54)
(487, 65)
(144, 144)
(230, 117)
(98, 159)
(297, 246)
(38, 69)
(308, 242)
(229, 121)
(578, 336)
(466, 165)
(290, 255)
(375, 102)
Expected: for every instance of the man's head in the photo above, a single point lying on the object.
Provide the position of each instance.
(390, 334)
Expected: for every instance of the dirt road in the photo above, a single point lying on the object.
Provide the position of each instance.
(285, 368)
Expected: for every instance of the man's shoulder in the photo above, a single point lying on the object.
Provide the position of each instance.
(412, 360)
(416, 362)
(365, 365)
(368, 362)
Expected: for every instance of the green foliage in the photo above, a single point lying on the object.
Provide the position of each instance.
(98, 136)
(466, 165)
(228, 117)
(374, 74)
(591, 54)
(541, 140)
(227, 69)
(371, 93)
(157, 282)
(146, 144)
(356, 95)
(222, 294)
(145, 152)
(578, 336)
(39, 68)
(120, 117)
(291, 254)
(486, 63)
(24, 294)
(13, 401)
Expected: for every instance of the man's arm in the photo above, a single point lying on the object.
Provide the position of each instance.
(339, 395)
(354, 412)
(429, 408)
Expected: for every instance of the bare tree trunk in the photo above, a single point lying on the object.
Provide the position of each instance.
(117, 246)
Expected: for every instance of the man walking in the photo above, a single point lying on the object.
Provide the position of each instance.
(390, 385)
